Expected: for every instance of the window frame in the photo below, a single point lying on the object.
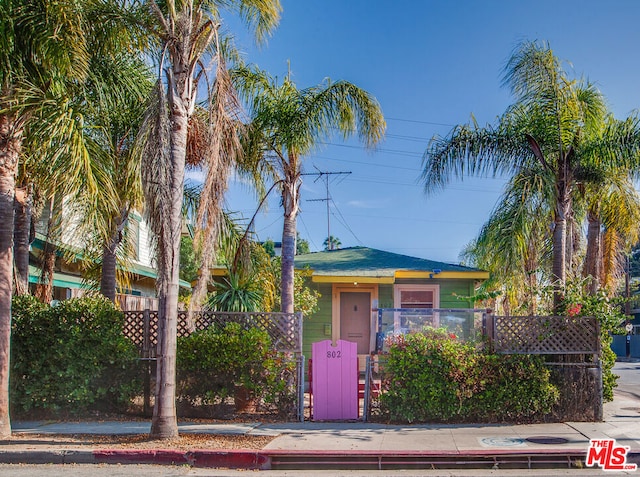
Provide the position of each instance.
(399, 288)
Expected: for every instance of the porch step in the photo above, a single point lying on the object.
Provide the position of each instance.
(375, 388)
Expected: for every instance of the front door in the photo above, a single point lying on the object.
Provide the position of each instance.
(355, 319)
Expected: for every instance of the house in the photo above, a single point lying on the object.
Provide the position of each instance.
(68, 281)
(356, 282)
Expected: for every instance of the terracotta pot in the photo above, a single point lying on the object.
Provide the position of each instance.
(244, 400)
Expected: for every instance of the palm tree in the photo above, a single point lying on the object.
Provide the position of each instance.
(287, 123)
(187, 35)
(514, 244)
(42, 49)
(118, 87)
(544, 129)
(73, 166)
(612, 201)
(332, 243)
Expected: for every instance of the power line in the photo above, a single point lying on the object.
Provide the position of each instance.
(327, 198)
(343, 221)
(420, 122)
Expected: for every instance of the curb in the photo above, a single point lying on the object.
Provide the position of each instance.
(234, 459)
(48, 457)
(299, 459)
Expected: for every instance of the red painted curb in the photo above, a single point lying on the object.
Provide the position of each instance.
(135, 456)
(233, 459)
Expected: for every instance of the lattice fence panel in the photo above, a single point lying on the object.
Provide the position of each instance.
(285, 329)
(133, 327)
(546, 335)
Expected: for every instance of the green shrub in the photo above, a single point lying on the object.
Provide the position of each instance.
(576, 301)
(71, 357)
(434, 377)
(211, 363)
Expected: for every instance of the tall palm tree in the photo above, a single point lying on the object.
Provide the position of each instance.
(545, 127)
(606, 185)
(287, 123)
(117, 89)
(42, 49)
(514, 243)
(187, 35)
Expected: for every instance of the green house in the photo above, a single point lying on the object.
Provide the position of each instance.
(355, 282)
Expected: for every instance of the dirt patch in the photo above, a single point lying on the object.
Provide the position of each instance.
(185, 441)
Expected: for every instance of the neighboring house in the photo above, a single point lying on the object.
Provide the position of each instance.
(356, 282)
(67, 279)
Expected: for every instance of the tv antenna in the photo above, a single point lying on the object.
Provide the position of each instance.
(320, 175)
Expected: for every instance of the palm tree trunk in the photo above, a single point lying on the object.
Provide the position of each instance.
(164, 424)
(532, 278)
(592, 260)
(21, 239)
(288, 254)
(44, 287)
(108, 274)
(290, 201)
(562, 212)
(110, 257)
(10, 147)
(559, 260)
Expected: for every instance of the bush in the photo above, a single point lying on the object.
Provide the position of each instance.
(609, 313)
(434, 377)
(71, 357)
(213, 362)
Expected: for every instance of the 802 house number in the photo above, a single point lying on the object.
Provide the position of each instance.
(334, 354)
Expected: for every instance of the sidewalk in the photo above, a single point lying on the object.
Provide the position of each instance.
(355, 443)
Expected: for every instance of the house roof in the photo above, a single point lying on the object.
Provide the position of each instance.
(378, 266)
(70, 280)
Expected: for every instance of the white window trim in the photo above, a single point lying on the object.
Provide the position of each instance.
(416, 287)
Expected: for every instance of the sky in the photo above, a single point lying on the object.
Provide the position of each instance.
(431, 64)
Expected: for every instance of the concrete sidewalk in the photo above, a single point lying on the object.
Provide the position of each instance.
(332, 443)
(352, 443)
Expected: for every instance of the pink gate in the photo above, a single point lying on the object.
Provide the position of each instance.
(335, 380)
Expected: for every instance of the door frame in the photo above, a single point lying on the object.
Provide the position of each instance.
(339, 288)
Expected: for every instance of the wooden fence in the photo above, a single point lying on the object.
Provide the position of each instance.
(559, 335)
(574, 346)
(284, 329)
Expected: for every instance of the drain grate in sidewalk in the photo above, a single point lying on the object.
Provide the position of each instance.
(547, 440)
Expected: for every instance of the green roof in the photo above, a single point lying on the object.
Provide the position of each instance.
(363, 261)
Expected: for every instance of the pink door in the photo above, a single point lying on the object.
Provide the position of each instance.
(335, 380)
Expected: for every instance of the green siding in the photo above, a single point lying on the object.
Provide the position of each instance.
(385, 296)
(452, 289)
(317, 327)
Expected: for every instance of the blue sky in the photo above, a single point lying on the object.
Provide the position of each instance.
(431, 64)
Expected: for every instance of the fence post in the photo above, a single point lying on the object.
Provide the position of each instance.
(146, 354)
(598, 411)
(299, 331)
(488, 325)
(300, 363)
(367, 390)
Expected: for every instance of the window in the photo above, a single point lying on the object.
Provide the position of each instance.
(420, 297)
(416, 296)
